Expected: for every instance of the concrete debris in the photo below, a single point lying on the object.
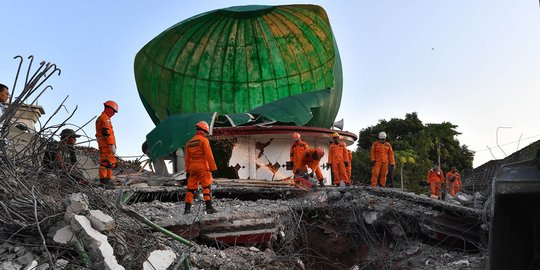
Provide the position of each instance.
(159, 260)
(9, 265)
(77, 203)
(370, 217)
(101, 221)
(460, 263)
(355, 267)
(44, 266)
(95, 242)
(464, 198)
(61, 264)
(64, 235)
(25, 259)
(31, 266)
(254, 249)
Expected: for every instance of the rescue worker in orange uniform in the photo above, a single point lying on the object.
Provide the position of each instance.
(349, 167)
(106, 143)
(453, 181)
(338, 159)
(200, 165)
(297, 151)
(435, 178)
(311, 159)
(381, 155)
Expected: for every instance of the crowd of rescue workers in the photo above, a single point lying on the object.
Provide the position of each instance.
(200, 164)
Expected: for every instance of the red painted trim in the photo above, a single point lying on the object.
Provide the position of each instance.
(245, 239)
(285, 130)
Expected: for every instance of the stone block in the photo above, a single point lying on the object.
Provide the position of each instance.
(76, 203)
(64, 235)
(159, 260)
(101, 221)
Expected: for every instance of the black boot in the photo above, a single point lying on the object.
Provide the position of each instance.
(321, 184)
(187, 208)
(209, 208)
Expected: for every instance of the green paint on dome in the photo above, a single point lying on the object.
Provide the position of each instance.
(238, 59)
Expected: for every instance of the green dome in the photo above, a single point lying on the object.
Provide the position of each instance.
(237, 59)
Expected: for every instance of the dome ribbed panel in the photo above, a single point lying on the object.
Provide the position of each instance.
(236, 59)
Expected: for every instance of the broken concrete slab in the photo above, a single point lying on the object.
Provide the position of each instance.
(159, 260)
(64, 235)
(96, 242)
(101, 221)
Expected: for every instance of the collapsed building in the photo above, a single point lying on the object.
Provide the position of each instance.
(256, 74)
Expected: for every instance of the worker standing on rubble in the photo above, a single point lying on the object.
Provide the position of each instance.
(382, 159)
(297, 151)
(106, 143)
(453, 181)
(61, 157)
(435, 179)
(338, 159)
(200, 165)
(311, 159)
(349, 167)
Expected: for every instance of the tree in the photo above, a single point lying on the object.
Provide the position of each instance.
(409, 137)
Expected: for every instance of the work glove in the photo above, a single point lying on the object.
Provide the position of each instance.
(346, 163)
(297, 171)
(453, 179)
(213, 173)
(113, 148)
(187, 175)
(372, 163)
(328, 164)
(392, 167)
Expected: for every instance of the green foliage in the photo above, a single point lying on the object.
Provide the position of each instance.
(410, 138)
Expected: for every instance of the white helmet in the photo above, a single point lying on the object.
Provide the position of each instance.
(382, 135)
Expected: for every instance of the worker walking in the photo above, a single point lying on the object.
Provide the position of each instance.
(453, 181)
(382, 159)
(349, 166)
(297, 151)
(435, 178)
(106, 143)
(338, 159)
(200, 165)
(311, 159)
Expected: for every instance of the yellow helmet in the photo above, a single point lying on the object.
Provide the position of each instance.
(335, 134)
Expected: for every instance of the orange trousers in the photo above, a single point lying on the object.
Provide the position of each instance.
(203, 178)
(379, 169)
(340, 173)
(107, 161)
(436, 189)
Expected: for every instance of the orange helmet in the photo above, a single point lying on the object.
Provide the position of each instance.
(203, 125)
(111, 104)
(320, 152)
(335, 134)
(296, 136)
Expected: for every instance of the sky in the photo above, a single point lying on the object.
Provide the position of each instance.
(473, 63)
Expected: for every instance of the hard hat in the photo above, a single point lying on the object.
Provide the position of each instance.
(382, 135)
(320, 152)
(203, 125)
(67, 132)
(296, 136)
(111, 104)
(335, 134)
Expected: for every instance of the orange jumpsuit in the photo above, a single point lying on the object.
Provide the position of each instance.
(311, 162)
(435, 182)
(297, 153)
(381, 153)
(453, 186)
(349, 168)
(337, 158)
(199, 164)
(105, 139)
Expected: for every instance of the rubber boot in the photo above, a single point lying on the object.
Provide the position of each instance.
(187, 208)
(106, 183)
(321, 184)
(209, 208)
